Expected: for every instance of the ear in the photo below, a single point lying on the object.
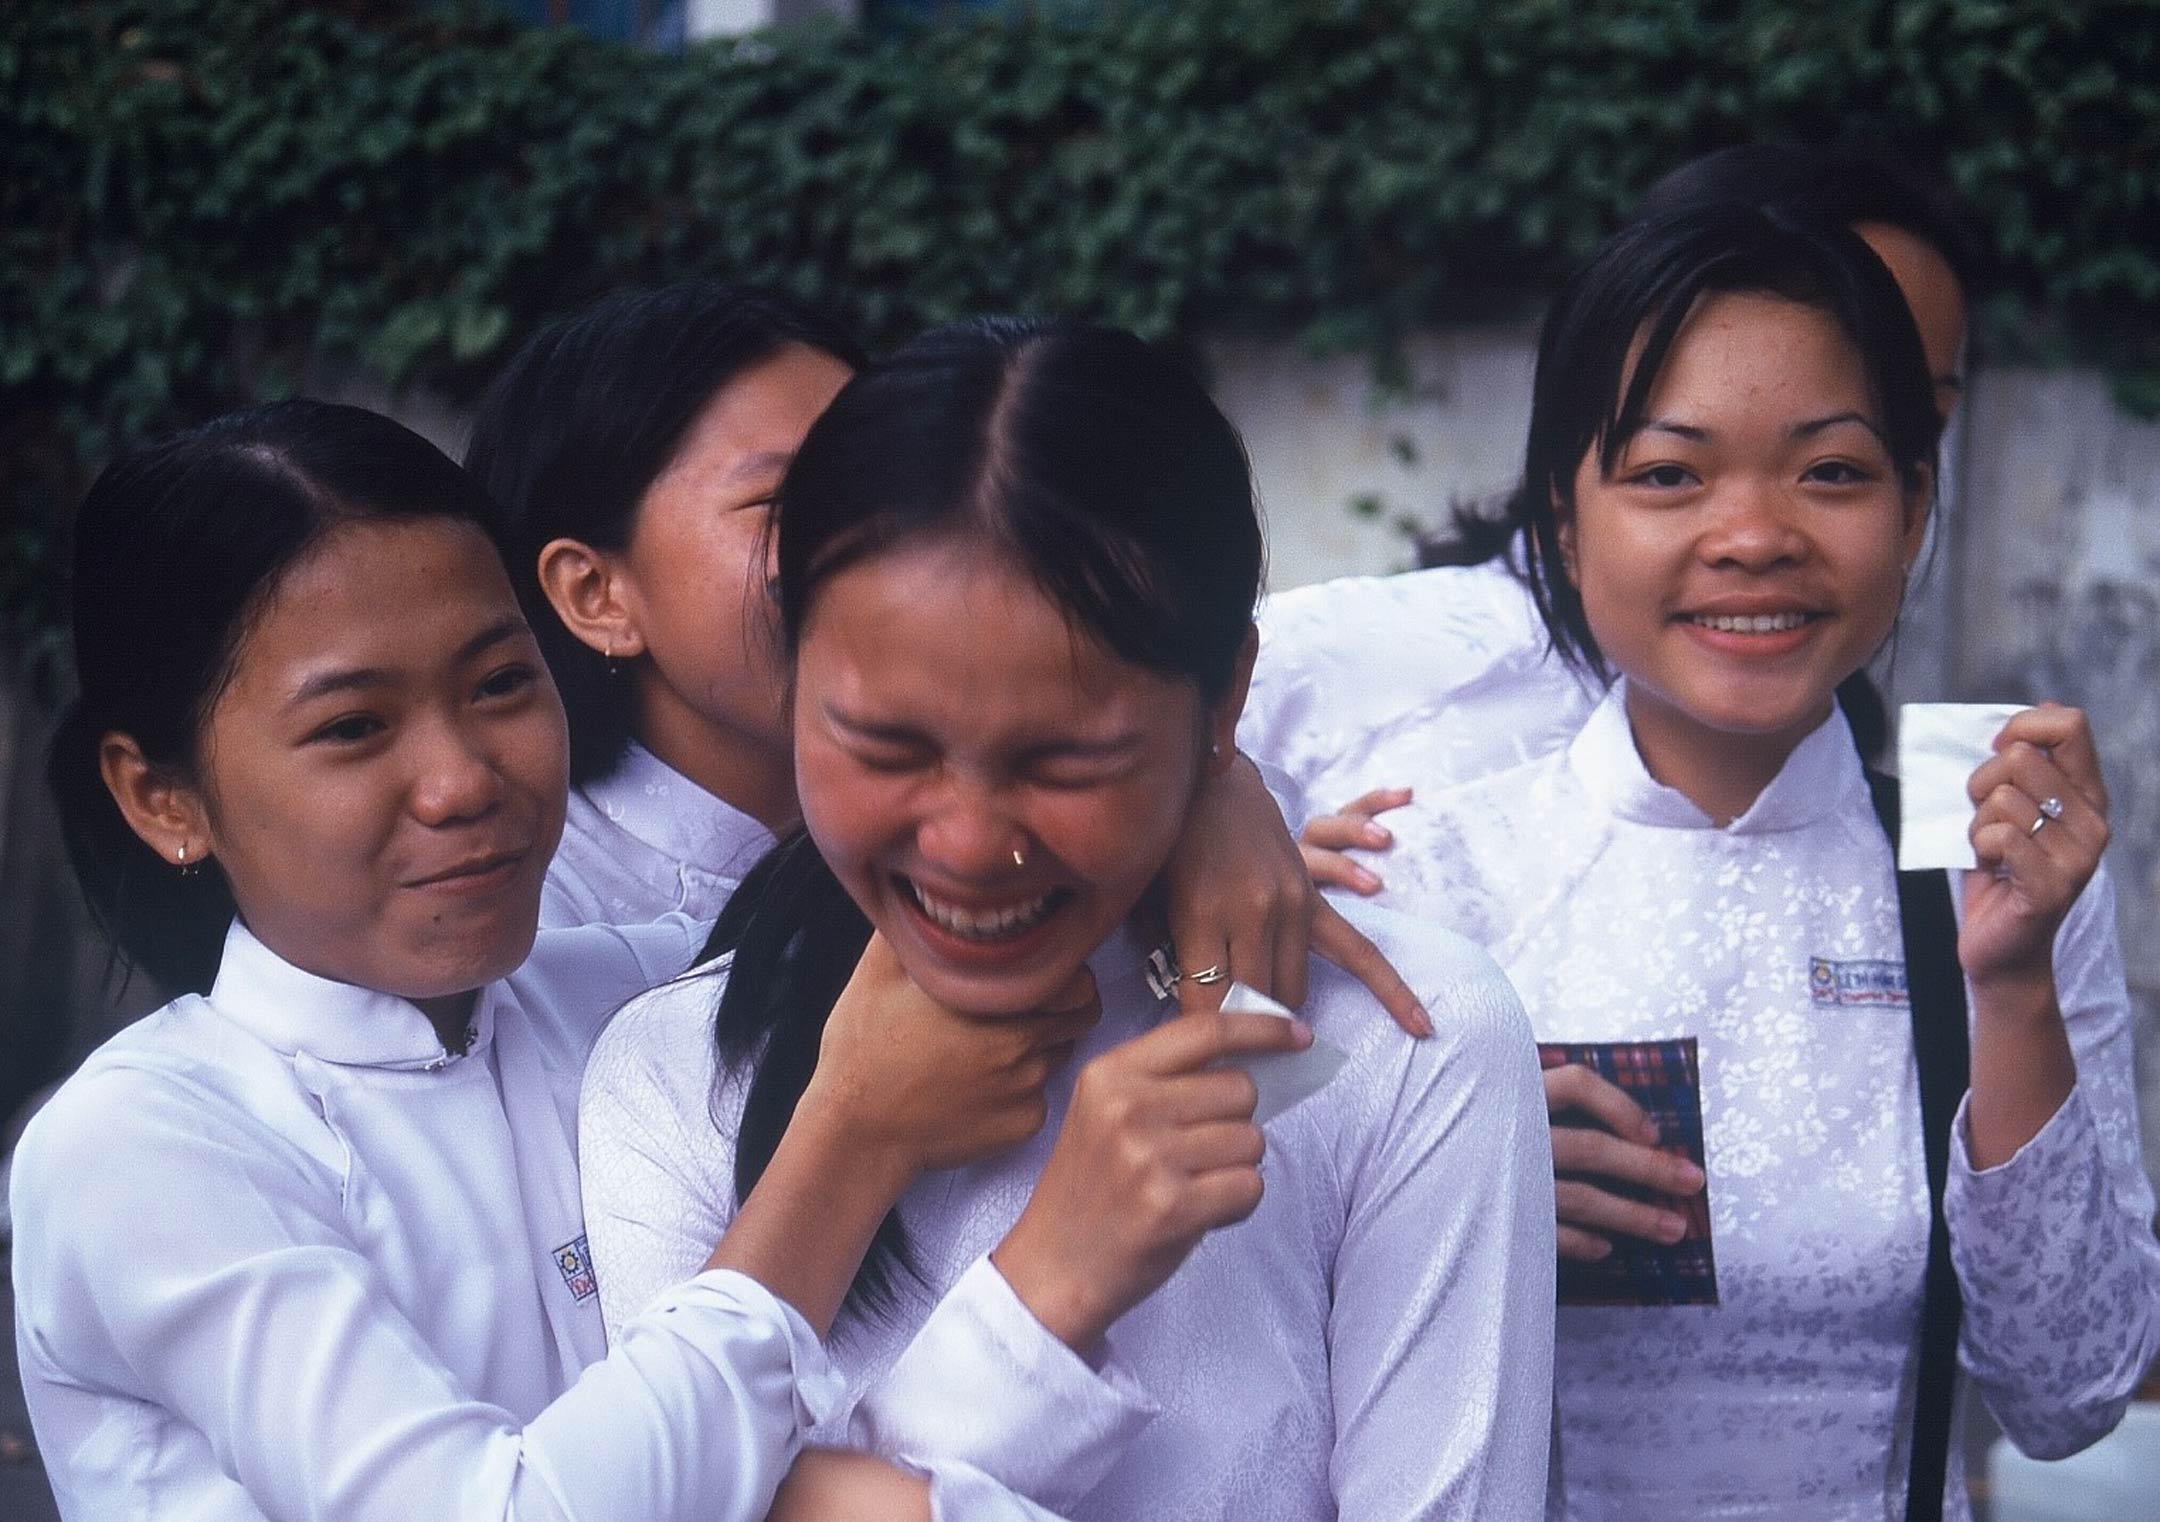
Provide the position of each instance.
(590, 594)
(1919, 504)
(1223, 716)
(1564, 535)
(168, 815)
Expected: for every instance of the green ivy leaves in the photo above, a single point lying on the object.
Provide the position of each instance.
(203, 198)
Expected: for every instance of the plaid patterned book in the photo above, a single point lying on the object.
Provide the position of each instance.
(1662, 1077)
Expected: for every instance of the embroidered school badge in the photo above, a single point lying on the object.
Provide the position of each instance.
(574, 1258)
(1857, 985)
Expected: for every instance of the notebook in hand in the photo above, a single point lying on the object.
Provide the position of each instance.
(1662, 1077)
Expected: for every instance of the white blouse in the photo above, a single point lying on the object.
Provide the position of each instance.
(1448, 667)
(1373, 1343)
(1621, 912)
(279, 1255)
(644, 841)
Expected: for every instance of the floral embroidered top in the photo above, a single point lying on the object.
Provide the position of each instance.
(1621, 911)
(1449, 667)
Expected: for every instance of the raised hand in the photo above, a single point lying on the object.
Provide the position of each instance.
(1158, 1149)
(2038, 832)
(1327, 840)
(1238, 899)
(907, 1077)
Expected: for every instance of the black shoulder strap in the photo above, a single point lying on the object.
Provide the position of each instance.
(1935, 986)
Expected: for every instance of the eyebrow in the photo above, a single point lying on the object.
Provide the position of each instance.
(1801, 430)
(1814, 426)
(1686, 431)
(871, 729)
(356, 678)
(763, 462)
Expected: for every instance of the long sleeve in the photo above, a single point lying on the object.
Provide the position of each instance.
(660, 1191)
(1441, 1330)
(983, 1382)
(2054, 1249)
(657, 1198)
(174, 1251)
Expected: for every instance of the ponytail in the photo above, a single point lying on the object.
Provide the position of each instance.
(796, 937)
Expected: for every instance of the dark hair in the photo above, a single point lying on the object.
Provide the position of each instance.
(1840, 187)
(585, 418)
(1098, 464)
(1641, 286)
(177, 547)
(1793, 183)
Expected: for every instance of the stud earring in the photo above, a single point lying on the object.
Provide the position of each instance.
(187, 868)
(614, 668)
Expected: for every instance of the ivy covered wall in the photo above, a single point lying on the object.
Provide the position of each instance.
(203, 197)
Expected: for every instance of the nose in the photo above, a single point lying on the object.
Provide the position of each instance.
(970, 832)
(455, 777)
(1753, 527)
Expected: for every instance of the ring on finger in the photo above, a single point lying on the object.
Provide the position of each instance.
(1212, 973)
(2051, 807)
(2038, 824)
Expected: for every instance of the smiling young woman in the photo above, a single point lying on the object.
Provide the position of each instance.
(1017, 565)
(306, 1243)
(1727, 476)
(1360, 737)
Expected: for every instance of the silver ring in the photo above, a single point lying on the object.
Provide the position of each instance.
(1212, 973)
(2051, 807)
(2037, 826)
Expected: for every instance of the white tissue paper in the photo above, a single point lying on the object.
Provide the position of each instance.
(1940, 745)
(1283, 1078)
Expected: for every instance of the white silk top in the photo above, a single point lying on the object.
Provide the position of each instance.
(279, 1255)
(1448, 669)
(644, 841)
(1622, 912)
(1373, 1343)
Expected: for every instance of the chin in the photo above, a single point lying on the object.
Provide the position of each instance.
(992, 995)
(460, 963)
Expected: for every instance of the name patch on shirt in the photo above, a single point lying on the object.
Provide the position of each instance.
(1857, 985)
(574, 1258)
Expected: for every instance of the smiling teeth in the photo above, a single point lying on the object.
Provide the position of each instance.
(983, 925)
(1751, 623)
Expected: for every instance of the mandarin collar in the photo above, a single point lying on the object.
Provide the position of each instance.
(294, 1011)
(658, 806)
(1815, 781)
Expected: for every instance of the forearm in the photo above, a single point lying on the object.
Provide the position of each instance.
(2022, 1068)
(804, 1229)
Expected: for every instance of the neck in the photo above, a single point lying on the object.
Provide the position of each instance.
(745, 771)
(451, 1015)
(1720, 772)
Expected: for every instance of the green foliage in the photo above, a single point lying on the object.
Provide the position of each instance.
(207, 200)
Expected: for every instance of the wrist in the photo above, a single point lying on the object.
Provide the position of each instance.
(1052, 1296)
(2016, 995)
(829, 1132)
